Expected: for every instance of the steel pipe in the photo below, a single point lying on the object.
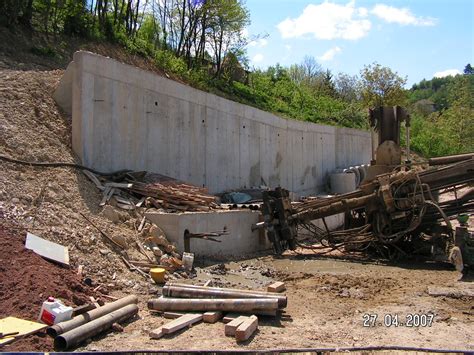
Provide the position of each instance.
(450, 159)
(79, 320)
(192, 291)
(237, 305)
(77, 335)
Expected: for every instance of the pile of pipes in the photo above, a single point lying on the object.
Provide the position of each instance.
(72, 332)
(189, 298)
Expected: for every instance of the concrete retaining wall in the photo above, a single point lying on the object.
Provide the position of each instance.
(127, 118)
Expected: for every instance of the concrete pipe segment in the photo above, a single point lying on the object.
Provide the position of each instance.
(77, 335)
(187, 291)
(237, 305)
(79, 320)
(342, 183)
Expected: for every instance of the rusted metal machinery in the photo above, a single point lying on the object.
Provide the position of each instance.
(394, 212)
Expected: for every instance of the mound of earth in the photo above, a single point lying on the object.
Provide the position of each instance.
(29, 281)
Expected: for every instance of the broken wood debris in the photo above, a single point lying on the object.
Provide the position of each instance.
(154, 190)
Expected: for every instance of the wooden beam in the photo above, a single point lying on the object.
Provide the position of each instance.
(232, 326)
(173, 315)
(156, 333)
(181, 322)
(246, 328)
(276, 287)
(230, 317)
(212, 317)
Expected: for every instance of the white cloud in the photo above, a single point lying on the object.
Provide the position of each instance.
(288, 47)
(447, 72)
(328, 21)
(402, 16)
(262, 42)
(245, 32)
(257, 58)
(329, 54)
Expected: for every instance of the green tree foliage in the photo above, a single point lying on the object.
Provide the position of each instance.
(450, 129)
(468, 70)
(382, 87)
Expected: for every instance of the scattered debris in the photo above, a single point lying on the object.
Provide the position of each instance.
(154, 190)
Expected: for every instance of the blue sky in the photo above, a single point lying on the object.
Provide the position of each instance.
(416, 38)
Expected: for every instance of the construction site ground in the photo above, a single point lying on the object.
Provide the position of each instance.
(327, 296)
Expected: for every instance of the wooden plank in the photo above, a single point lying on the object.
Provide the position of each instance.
(232, 326)
(181, 322)
(47, 249)
(23, 327)
(173, 315)
(207, 283)
(142, 224)
(230, 317)
(450, 292)
(119, 185)
(156, 333)
(246, 329)
(211, 317)
(94, 179)
(105, 196)
(276, 287)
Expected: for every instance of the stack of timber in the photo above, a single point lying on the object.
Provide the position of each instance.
(190, 304)
(181, 197)
(131, 189)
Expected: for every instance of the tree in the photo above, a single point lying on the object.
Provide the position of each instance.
(382, 87)
(468, 70)
(348, 87)
(227, 19)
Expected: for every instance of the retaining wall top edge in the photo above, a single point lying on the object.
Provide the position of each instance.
(106, 67)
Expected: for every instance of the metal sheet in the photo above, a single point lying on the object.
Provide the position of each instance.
(47, 249)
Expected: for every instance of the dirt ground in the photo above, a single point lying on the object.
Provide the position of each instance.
(327, 301)
(327, 297)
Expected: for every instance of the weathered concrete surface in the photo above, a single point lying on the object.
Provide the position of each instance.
(125, 117)
(240, 240)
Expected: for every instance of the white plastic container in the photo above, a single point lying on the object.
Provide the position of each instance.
(54, 311)
(188, 261)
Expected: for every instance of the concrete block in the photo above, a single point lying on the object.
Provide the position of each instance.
(240, 241)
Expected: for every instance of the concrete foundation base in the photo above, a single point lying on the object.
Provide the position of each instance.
(239, 242)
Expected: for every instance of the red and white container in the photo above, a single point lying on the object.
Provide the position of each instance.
(54, 311)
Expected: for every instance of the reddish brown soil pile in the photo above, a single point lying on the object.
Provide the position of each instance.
(27, 280)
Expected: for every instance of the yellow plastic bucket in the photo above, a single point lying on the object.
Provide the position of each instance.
(158, 275)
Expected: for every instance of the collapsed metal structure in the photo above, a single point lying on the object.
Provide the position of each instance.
(396, 210)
